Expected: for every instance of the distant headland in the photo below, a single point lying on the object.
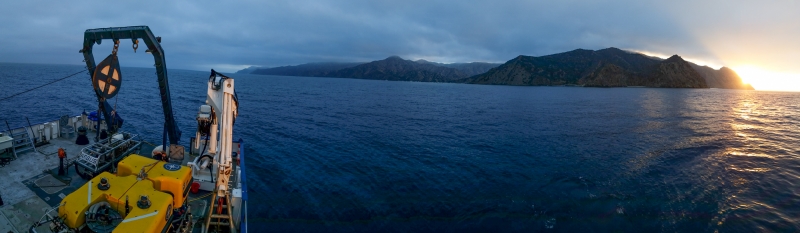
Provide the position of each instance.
(611, 67)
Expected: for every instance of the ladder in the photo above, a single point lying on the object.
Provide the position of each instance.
(22, 140)
(221, 219)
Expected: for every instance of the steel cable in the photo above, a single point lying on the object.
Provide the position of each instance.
(51, 82)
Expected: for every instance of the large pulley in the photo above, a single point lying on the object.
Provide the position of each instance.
(107, 76)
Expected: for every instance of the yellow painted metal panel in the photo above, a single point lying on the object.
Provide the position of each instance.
(173, 182)
(131, 165)
(76, 203)
(151, 219)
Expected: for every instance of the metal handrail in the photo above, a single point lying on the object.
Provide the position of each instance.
(90, 157)
(56, 120)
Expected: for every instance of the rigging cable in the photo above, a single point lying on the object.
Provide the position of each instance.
(51, 82)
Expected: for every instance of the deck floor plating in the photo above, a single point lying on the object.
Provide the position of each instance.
(25, 203)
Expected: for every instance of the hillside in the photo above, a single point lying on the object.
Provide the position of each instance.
(470, 69)
(722, 78)
(397, 69)
(309, 69)
(609, 67)
(248, 70)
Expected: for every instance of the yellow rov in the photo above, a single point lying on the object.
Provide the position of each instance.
(146, 195)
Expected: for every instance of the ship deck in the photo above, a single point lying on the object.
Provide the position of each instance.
(31, 185)
(22, 205)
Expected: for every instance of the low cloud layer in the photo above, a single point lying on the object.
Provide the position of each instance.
(200, 35)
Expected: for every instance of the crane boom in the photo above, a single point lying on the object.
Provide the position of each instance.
(96, 36)
(215, 121)
(224, 105)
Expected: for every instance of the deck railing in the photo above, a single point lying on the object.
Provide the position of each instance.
(108, 150)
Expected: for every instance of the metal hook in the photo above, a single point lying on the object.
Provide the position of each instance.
(135, 45)
(116, 46)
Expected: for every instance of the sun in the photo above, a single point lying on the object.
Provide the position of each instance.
(763, 79)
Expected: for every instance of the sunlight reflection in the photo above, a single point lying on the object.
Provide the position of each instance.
(741, 127)
(653, 103)
(743, 110)
(758, 169)
(747, 111)
(738, 153)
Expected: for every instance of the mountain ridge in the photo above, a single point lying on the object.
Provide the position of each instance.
(395, 68)
(318, 69)
(609, 67)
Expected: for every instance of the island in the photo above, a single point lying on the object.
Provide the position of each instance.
(610, 67)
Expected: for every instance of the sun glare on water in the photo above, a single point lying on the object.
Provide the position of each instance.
(766, 80)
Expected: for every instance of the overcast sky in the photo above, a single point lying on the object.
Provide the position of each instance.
(230, 35)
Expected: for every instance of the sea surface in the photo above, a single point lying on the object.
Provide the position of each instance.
(348, 155)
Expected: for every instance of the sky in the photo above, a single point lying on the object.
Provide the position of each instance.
(758, 39)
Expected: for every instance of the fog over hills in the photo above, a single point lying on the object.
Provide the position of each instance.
(397, 69)
(322, 69)
(329, 69)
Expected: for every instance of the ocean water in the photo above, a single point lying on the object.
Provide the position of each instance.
(347, 155)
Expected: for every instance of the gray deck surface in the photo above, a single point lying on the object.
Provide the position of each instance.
(22, 204)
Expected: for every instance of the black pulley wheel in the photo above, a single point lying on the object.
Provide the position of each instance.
(107, 77)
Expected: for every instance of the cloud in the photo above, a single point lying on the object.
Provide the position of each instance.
(201, 35)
